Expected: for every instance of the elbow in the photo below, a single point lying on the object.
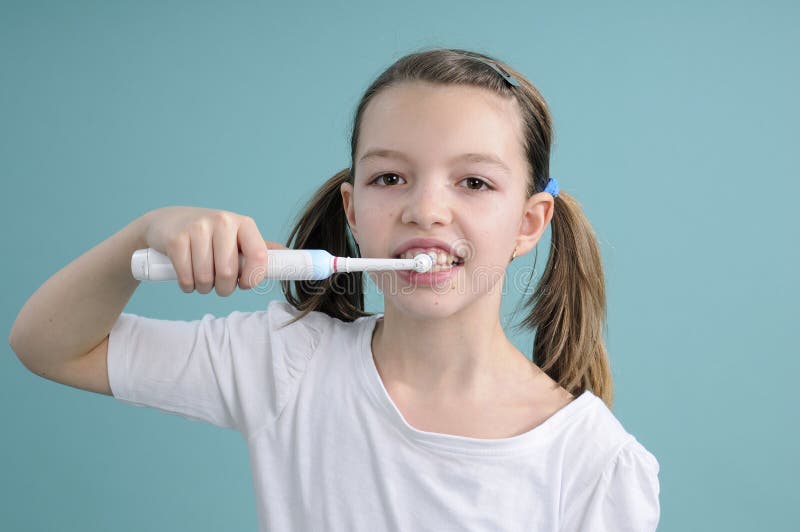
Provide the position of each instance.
(14, 335)
(13, 342)
(17, 345)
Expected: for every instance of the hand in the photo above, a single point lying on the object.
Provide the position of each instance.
(204, 246)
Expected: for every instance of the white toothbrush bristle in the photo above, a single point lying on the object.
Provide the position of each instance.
(423, 263)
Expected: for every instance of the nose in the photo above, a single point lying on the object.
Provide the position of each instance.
(427, 205)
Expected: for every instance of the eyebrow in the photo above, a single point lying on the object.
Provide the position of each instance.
(470, 157)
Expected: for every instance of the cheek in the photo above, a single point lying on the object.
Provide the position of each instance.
(369, 205)
(372, 220)
(373, 225)
(375, 211)
(495, 238)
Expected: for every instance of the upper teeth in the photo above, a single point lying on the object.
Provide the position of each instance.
(439, 256)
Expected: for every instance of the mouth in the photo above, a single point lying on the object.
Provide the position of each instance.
(442, 260)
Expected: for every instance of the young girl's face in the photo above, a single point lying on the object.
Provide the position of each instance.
(428, 187)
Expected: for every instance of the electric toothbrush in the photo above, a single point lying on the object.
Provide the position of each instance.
(287, 264)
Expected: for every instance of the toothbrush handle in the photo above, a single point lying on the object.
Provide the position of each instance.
(290, 264)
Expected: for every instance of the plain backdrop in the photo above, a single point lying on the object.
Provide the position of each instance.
(675, 127)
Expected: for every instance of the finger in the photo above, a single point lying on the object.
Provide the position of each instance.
(226, 260)
(254, 250)
(180, 255)
(202, 261)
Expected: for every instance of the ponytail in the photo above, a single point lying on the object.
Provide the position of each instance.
(323, 225)
(569, 307)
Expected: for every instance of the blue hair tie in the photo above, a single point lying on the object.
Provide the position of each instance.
(552, 187)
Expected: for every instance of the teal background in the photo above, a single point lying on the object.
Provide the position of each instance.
(676, 128)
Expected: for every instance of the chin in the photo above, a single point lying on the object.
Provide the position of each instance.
(425, 304)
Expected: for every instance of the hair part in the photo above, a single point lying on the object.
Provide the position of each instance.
(568, 305)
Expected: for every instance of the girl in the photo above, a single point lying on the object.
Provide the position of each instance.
(425, 416)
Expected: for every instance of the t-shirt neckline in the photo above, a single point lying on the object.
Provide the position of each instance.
(530, 440)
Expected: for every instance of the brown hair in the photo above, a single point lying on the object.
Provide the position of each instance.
(568, 305)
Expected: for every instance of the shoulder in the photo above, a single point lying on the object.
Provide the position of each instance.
(606, 461)
(282, 315)
(291, 332)
(596, 439)
(623, 497)
(253, 327)
(297, 343)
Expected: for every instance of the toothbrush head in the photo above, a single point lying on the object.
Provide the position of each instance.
(423, 263)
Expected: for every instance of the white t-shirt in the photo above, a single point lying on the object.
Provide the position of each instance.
(329, 450)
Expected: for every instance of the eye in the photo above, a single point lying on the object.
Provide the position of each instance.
(473, 180)
(479, 182)
(382, 176)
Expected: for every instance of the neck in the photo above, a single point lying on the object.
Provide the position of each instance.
(460, 355)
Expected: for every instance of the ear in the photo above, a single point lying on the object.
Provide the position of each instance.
(536, 214)
(346, 189)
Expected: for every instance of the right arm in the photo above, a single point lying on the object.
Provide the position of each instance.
(72, 313)
(61, 333)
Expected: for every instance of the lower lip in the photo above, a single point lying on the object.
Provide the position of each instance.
(428, 278)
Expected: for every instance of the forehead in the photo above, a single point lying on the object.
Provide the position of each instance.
(442, 120)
